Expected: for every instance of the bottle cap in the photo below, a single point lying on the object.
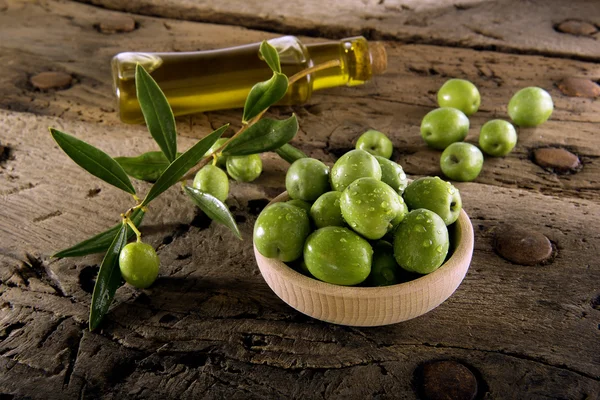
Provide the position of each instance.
(378, 58)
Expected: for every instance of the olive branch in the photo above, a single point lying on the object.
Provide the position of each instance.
(168, 167)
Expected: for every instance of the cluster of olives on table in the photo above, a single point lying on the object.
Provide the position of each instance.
(138, 262)
(446, 127)
(360, 222)
(212, 179)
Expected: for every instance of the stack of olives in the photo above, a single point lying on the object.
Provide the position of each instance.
(445, 128)
(361, 221)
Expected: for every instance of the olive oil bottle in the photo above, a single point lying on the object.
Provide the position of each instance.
(221, 79)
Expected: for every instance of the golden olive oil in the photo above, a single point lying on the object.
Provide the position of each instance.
(221, 79)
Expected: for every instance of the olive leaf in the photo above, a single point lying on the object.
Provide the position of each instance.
(289, 153)
(109, 279)
(182, 164)
(265, 135)
(93, 160)
(157, 112)
(101, 242)
(264, 94)
(270, 55)
(213, 208)
(146, 167)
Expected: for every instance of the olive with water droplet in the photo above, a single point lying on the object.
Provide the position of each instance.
(436, 195)
(307, 179)
(421, 244)
(338, 255)
(326, 210)
(304, 205)
(351, 166)
(370, 206)
(280, 231)
(392, 174)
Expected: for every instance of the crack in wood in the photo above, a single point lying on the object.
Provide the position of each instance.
(51, 330)
(47, 216)
(484, 33)
(41, 272)
(73, 356)
(13, 327)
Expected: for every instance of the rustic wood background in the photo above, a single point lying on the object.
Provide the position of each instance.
(210, 327)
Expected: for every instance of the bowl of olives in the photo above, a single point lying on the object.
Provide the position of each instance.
(360, 245)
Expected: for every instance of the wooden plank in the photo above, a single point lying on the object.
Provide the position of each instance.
(510, 25)
(394, 102)
(521, 318)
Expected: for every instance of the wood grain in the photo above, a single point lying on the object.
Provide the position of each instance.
(506, 25)
(211, 311)
(394, 103)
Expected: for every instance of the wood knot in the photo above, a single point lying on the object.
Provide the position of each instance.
(443, 380)
(576, 27)
(51, 80)
(116, 24)
(522, 246)
(579, 87)
(556, 159)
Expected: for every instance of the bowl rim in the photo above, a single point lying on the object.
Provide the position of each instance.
(463, 250)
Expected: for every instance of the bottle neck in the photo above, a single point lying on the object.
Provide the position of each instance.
(358, 62)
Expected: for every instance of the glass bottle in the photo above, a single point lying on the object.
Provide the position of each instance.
(221, 79)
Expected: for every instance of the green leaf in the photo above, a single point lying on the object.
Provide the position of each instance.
(264, 94)
(101, 242)
(109, 279)
(157, 112)
(270, 55)
(265, 135)
(214, 208)
(93, 160)
(289, 153)
(146, 167)
(182, 164)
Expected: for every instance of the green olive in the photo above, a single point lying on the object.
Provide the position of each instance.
(421, 242)
(280, 231)
(244, 168)
(384, 269)
(338, 255)
(212, 180)
(307, 179)
(351, 166)
(139, 264)
(326, 210)
(305, 205)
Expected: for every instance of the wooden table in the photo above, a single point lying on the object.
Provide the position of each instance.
(210, 327)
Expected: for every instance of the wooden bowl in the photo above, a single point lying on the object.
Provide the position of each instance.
(370, 306)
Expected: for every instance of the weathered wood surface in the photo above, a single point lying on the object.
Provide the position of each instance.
(395, 102)
(210, 327)
(507, 25)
